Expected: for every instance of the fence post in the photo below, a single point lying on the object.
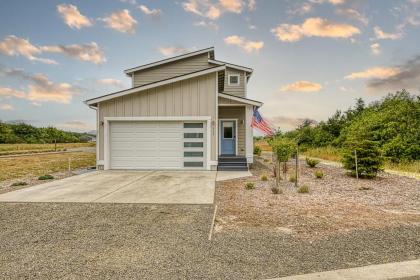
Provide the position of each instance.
(355, 159)
(69, 166)
(297, 166)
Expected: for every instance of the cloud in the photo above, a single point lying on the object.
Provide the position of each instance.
(374, 72)
(207, 24)
(75, 124)
(121, 21)
(287, 123)
(333, 2)
(353, 14)
(375, 48)
(302, 86)
(110, 82)
(172, 51)
(233, 6)
(380, 34)
(252, 5)
(202, 8)
(40, 88)
(244, 44)
(150, 12)
(86, 52)
(314, 27)
(15, 46)
(301, 9)
(407, 76)
(6, 107)
(72, 17)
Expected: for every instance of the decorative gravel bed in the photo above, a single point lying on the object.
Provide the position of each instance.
(336, 203)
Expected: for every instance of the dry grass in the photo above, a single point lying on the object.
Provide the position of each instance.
(29, 148)
(36, 165)
(263, 145)
(326, 153)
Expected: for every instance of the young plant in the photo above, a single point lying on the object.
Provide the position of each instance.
(46, 177)
(292, 178)
(276, 190)
(16, 184)
(257, 150)
(264, 178)
(311, 162)
(250, 186)
(319, 174)
(303, 189)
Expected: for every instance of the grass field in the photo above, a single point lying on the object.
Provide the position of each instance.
(36, 165)
(11, 149)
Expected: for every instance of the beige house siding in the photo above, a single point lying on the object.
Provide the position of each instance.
(192, 97)
(233, 112)
(171, 70)
(225, 101)
(239, 90)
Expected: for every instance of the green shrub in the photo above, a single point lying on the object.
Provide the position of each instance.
(16, 184)
(264, 178)
(257, 150)
(369, 158)
(283, 148)
(303, 189)
(46, 177)
(292, 178)
(311, 162)
(319, 174)
(249, 186)
(276, 190)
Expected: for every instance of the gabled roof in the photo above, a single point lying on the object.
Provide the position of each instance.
(94, 101)
(241, 99)
(171, 59)
(230, 65)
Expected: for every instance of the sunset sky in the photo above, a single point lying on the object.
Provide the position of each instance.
(309, 57)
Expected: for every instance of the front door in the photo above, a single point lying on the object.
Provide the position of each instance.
(228, 138)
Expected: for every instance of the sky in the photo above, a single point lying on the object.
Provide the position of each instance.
(309, 57)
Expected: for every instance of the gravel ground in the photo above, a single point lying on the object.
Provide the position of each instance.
(334, 204)
(123, 241)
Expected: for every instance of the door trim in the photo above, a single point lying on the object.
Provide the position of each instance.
(107, 120)
(236, 135)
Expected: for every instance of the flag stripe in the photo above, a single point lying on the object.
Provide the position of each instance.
(259, 123)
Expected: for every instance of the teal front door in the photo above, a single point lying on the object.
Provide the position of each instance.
(228, 138)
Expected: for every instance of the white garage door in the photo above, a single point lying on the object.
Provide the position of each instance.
(157, 145)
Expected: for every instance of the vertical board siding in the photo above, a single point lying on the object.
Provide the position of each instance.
(192, 97)
(169, 70)
(236, 113)
(238, 90)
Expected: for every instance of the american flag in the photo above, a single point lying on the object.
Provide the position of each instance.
(262, 125)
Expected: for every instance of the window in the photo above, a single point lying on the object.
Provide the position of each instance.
(227, 130)
(193, 144)
(193, 125)
(193, 154)
(193, 135)
(233, 80)
(193, 164)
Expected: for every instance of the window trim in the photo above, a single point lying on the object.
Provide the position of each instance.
(234, 75)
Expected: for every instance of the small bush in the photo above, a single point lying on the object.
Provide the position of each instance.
(16, 184)
(364, 188)
(292, 178)
(311, 162)
(303, 189)
(276, 190)
(264, 178)
(319, 174)
(250, 186)
(257, 150)
(369, 158)
(46, 177)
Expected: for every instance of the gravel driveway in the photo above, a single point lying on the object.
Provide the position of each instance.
(108, 241)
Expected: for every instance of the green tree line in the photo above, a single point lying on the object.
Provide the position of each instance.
(390, 125)
(25, 133)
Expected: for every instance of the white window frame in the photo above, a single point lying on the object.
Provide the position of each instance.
(234, 75)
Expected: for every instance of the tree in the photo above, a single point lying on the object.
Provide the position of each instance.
(283, 149)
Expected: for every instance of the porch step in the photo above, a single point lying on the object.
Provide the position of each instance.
(232, 163)
(232, 168)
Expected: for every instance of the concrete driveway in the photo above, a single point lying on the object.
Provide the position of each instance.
(163, 187)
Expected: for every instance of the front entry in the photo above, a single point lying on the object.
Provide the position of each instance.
(228, 137)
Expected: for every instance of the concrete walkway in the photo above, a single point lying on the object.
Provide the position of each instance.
(163, 187)
(398, 270)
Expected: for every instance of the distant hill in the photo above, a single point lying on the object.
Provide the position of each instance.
(20, 132)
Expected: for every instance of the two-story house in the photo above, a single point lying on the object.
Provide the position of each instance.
(186, 112)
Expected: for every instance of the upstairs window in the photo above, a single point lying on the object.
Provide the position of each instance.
(233, 80)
